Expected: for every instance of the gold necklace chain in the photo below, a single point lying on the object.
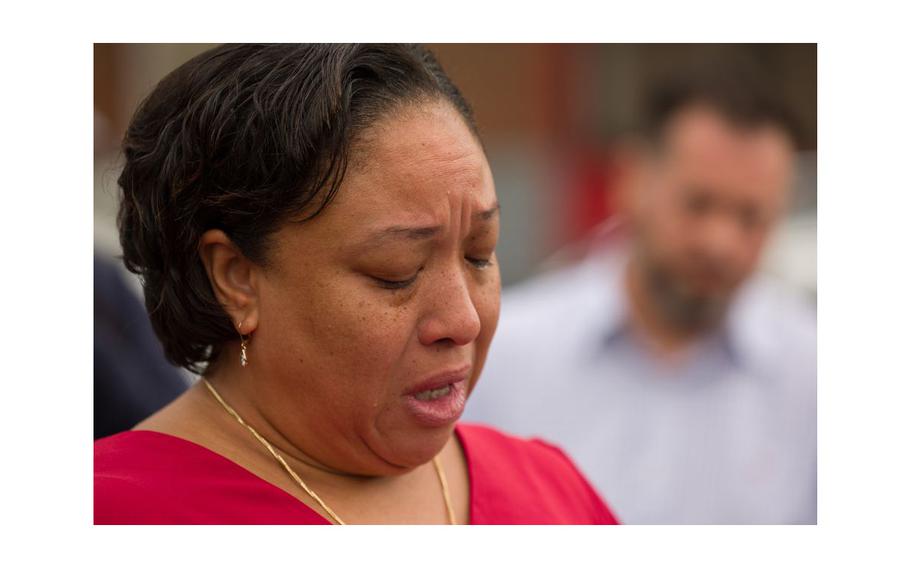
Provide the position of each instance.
(440, 473)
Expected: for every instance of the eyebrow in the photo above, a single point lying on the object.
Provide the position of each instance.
(487, 214)
(410, 233)
(421, 233)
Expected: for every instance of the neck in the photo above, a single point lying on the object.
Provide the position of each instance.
(233, 390)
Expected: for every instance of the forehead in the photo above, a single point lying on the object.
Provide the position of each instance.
(421, 160)
(705, 148)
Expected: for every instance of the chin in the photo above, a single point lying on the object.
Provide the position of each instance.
(406, 449)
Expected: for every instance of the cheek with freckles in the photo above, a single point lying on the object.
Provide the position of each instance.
(339, 344)
(356, 338)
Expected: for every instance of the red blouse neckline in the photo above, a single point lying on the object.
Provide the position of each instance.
(244, 471)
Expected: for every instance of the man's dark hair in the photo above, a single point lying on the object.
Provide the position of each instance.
(734, 85)
(244, 138)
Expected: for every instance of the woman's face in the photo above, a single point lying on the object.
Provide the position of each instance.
(374, 318)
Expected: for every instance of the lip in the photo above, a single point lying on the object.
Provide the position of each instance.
(444, 410)
(440, 380)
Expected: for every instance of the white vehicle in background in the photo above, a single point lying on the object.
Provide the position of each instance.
(792, 254)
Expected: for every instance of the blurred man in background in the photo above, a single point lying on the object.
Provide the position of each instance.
(681, 382)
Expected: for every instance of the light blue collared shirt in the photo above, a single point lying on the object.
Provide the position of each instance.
(728, 436)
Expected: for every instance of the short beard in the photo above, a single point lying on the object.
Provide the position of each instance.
(678, 307)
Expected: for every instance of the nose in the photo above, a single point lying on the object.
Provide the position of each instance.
(452, 315)
(720, 238)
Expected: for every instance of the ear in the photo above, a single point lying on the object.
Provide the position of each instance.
(632, 160)
(233, 278)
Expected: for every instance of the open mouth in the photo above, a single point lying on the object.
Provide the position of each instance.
(438, 406)
(434, 394)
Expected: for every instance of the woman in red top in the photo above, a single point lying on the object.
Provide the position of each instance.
(314, 227)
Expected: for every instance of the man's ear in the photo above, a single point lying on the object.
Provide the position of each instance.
(632, 161)
(233, 279)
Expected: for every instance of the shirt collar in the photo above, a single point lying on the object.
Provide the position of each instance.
(612, 307)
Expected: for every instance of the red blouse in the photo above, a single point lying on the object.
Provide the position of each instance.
(145, 477)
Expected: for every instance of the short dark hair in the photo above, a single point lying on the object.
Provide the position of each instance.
(244, 138)
(735, 85)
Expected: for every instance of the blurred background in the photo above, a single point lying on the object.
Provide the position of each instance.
(553, 118)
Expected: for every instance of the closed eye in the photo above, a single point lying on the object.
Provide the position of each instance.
(480, 262)
(396, 284)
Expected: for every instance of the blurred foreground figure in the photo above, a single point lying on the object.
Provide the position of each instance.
(681, 382)
(132, 377)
